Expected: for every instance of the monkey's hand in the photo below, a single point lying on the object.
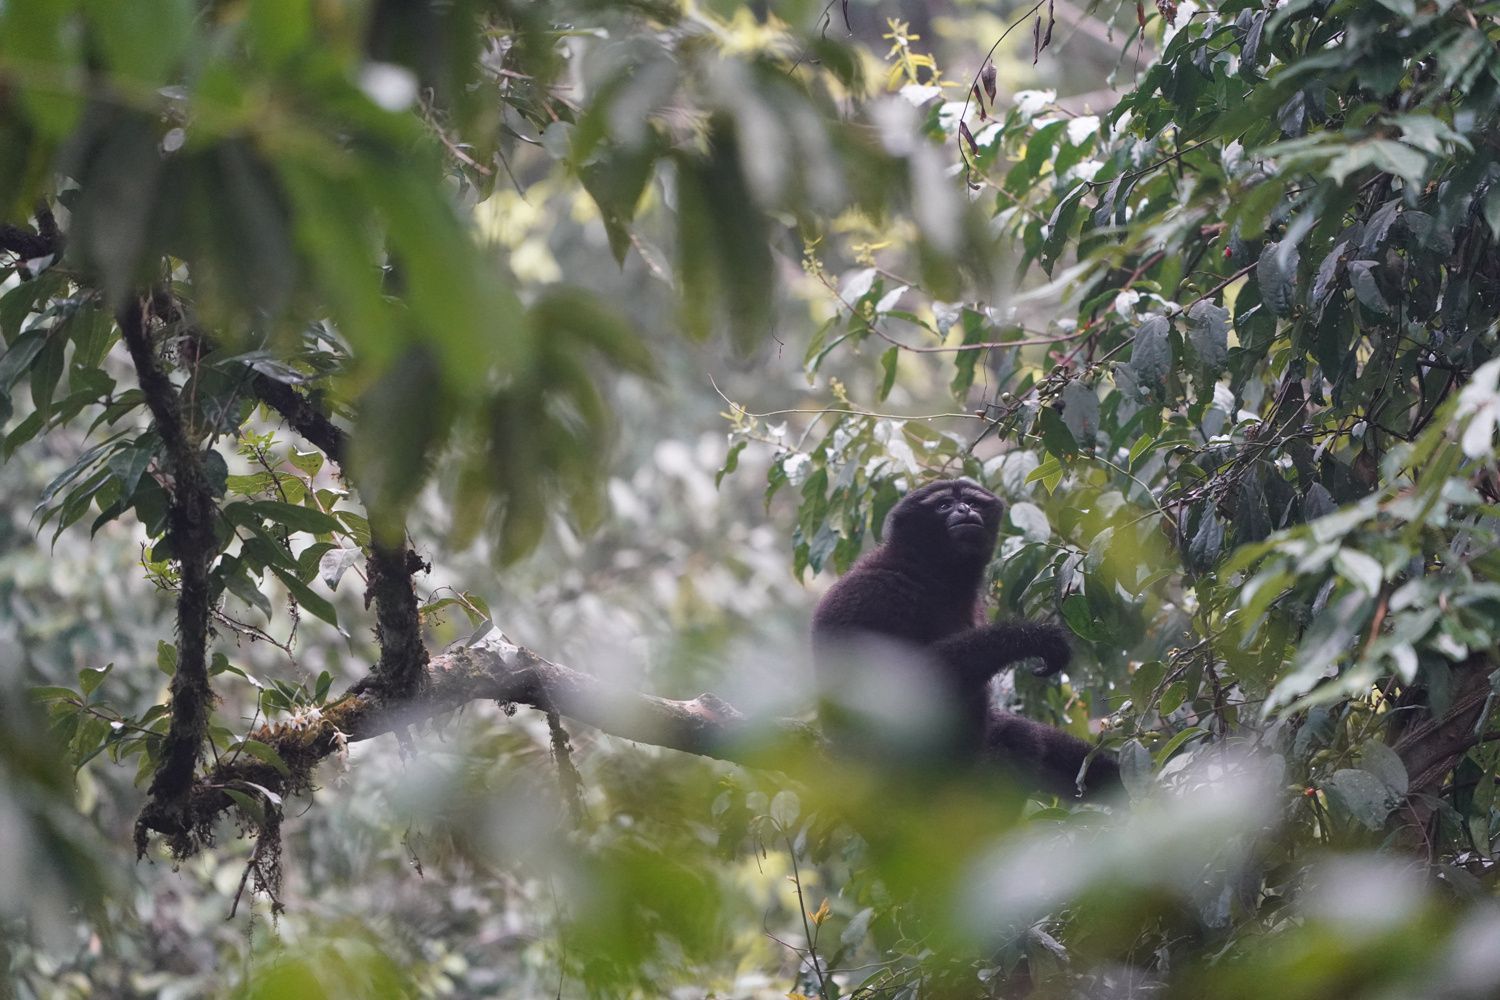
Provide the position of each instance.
(1051, 644)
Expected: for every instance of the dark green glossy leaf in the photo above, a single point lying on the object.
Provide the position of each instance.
(295, 517)
(1277, 275)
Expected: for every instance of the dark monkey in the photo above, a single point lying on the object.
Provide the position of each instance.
(921, 588)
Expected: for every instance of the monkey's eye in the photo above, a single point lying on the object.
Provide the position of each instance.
(945, 505)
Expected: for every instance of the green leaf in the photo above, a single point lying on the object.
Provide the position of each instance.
(614, 173)
(249, 806)
(785, 810)
(313, 603)
(239, 583)
(45, 35)
(1032, 521)
(1362, 279)
(333, 232)
(1361, 796)
(166, 657)
(256, 482)
(1208, 333)
(46, 372)
(965, 362)
(23, 432)
(143, 41)
(295, 517)
(1060, 226)
(1400, 159)
(281, 30)
(888, 362)
(82, 466)
(1362, 570)
(1081, 413)
(1080, 618)
(23, 300)
(1151, 355)
(20, 356)
(335, 562)
(309, 462)
(731, 462)
(1050, 467)
(1207, 542)
(1136, 770)
(1056, 437)
(723, 245)
(89, 678)
(1175, 743)
(1142, 446)
(578, 316)
(1276, 273)
(92, 737)
(1145, 679)
(1039, 148)
(264, 753)
(390, 449)
(1172, 698)
(1383, 762)
(466, 314)
(128, 464)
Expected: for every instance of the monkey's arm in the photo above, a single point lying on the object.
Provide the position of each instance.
(1049, 759)
(977, 654)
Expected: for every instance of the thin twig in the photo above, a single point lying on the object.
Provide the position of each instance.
(971, 168)
(812, 940)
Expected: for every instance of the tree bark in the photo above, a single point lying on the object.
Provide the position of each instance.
(1431, 745)
(491, 669)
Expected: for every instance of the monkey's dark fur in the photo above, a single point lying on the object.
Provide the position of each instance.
(922, 588)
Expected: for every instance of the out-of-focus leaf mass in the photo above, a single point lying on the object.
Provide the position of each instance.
(1218, 323)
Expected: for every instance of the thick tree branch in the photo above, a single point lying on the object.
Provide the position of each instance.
(398, 626)
(1430, 746)
(190, 537)
(24, 243)
(303, 416)
(45, 241)
(496, 669)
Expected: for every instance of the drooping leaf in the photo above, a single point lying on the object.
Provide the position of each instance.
(1151, 355)
(1361, 796)
(1208, 333)
(1081, 412)
(1276, 274)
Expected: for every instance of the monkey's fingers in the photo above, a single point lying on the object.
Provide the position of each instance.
(1053, 648)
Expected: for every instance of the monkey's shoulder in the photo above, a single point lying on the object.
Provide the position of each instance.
(883, 599)
(875, 588)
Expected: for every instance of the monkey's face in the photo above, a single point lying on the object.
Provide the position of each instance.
(952, 515)
(965, 523)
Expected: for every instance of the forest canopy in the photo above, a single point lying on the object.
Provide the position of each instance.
(427, 428)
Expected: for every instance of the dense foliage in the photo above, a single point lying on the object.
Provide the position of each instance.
(1251, 457)
(282, 282)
